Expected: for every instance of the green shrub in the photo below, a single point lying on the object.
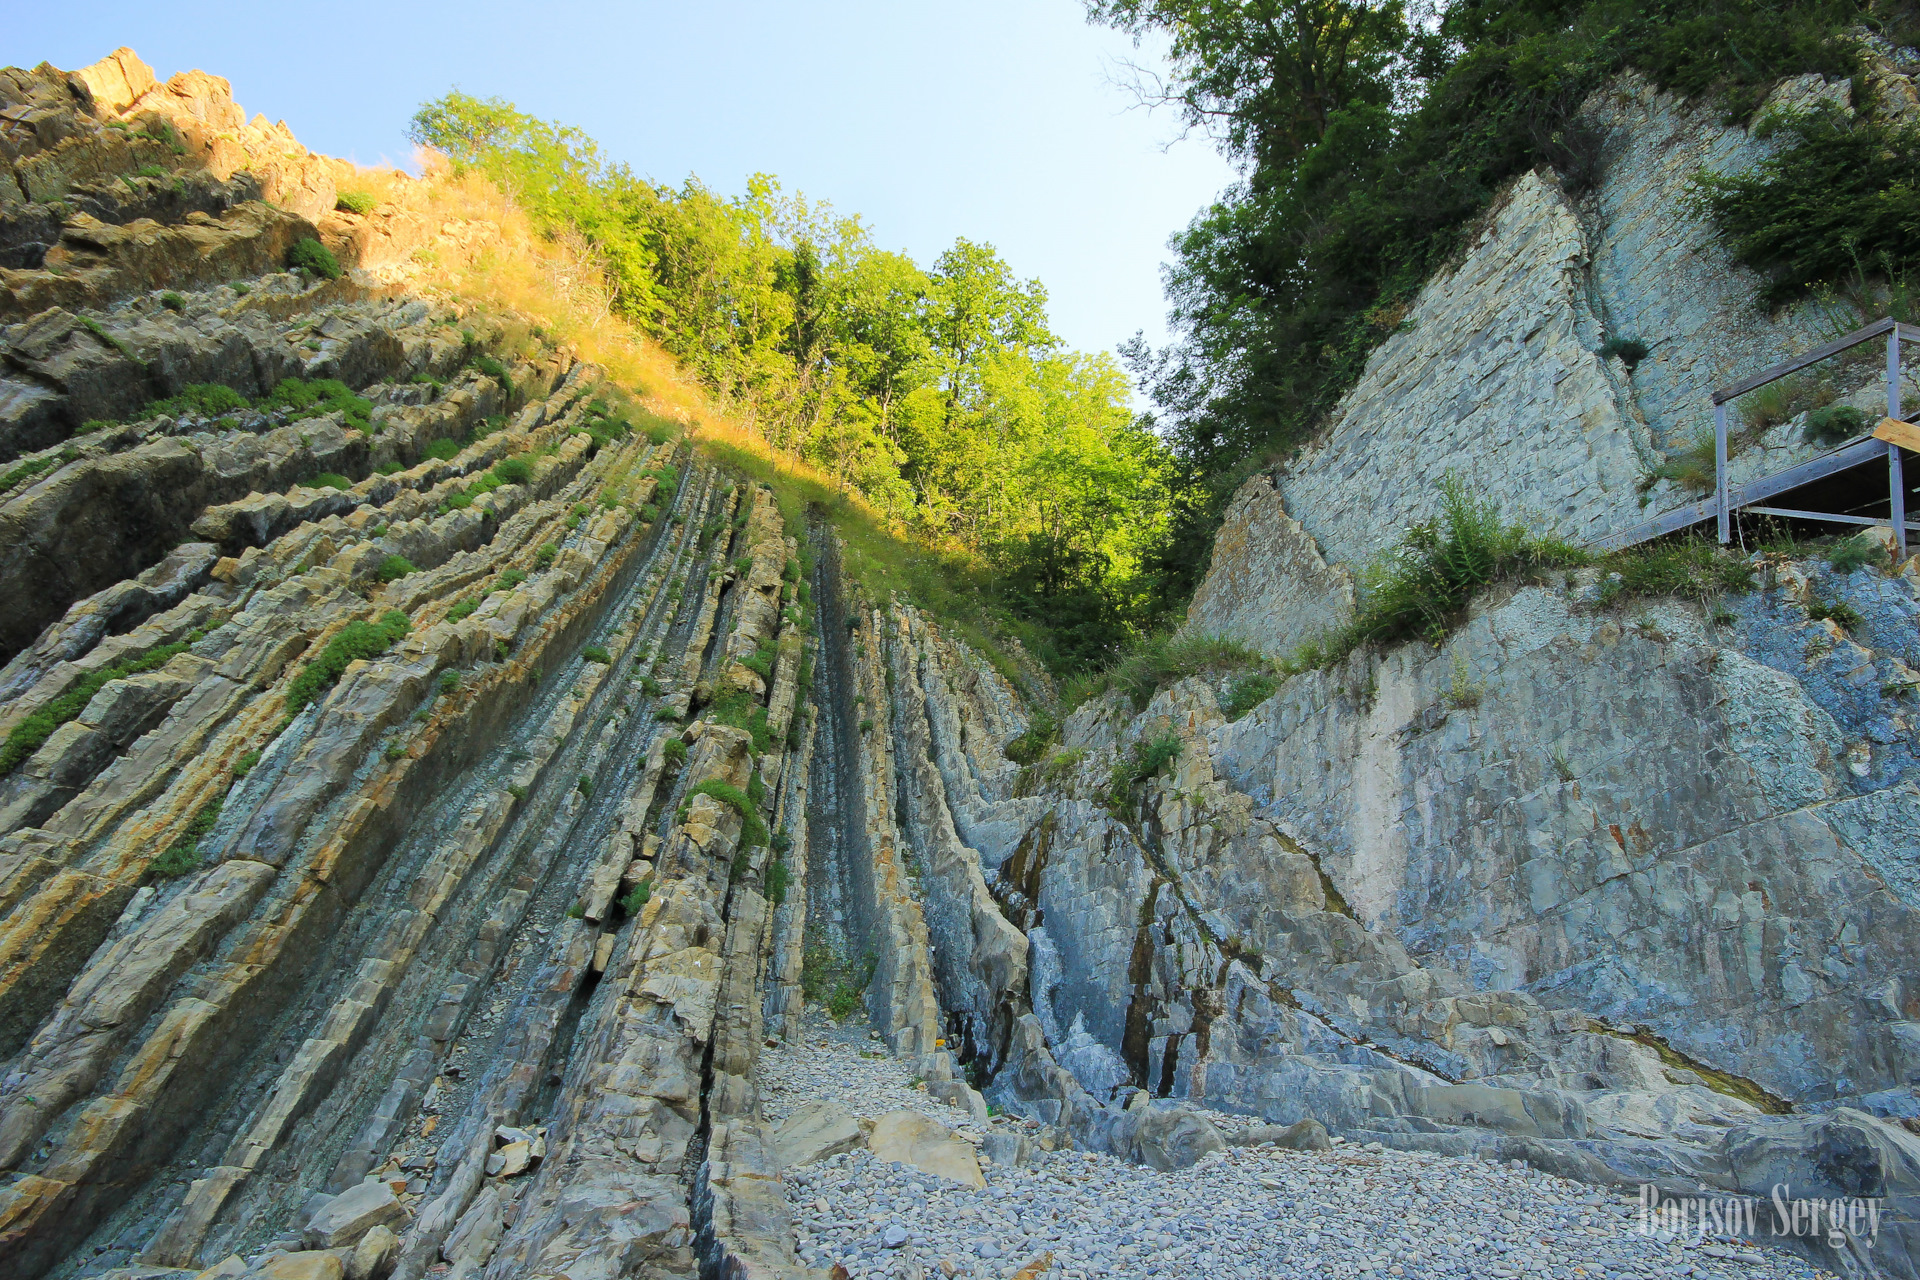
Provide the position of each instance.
(778, 878)
(1145, 759)
(545, 555)
(1839, 612)
(1694, 467)
(173, 301)
(311, 256)
(752, 830)
(594, 653)
(449, 681)
(317, 399)
(388, 469)
(355, 641)
(27, 736)
(517, 791)
(360, 202)
(184, 854)
(1694, 569)
(443, 450)
(1029, 746)
(1630, 351)
(394, 750)
(510, 579)
(201, 399)
(638, 898)
(1854, 553)
(330, 480)
(240, 287)
(1834, 425)
(514, 471)
(1159, 661)
(738, 709)
(1247, 692)
(244, 765)
(462, 609)
(761, 660)
(675, 752)
(394, 568)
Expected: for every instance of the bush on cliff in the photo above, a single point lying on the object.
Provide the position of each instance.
(316, 259)
(753, 831)
(355, 641)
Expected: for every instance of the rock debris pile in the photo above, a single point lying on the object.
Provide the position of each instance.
(1251, 1212)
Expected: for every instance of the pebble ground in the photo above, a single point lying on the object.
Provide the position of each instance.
(1246, 1214)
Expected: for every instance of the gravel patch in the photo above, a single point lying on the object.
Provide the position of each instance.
(1248, 1213)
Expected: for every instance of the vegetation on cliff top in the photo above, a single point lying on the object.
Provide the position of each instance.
(1370, 141)
(938, 396)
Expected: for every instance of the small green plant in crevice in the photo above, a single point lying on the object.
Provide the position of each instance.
(517, 791)
(1050, 772)
(29, 469)
(761, 660)
(1247, 692)
(330, 480)
(508, 580)
(173, 301)
(1147, 757)
(395, 750)
(244, 765)
(584, 785)
(1838, 612)
(675, 751)
(443, 450)
(394, 568)
(184, 854)
(637, 897)
(576, 911)
(1855, 553)
(752, 830)
(1461, 693)
(1561, 768)
(594, 653)
(778, 880)
(545, 555)
(462, 609)
(314, 258)
(358, 202)
(357, 640)
(1694, 569)
(1028, 747)
(448, 682)
(739, 709)
(1693, 467)
(1835, 425)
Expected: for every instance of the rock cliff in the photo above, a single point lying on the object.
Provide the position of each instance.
(430, 783)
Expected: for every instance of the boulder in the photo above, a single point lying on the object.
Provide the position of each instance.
(1007, 1150)
(1302, 1135)
(1167, 1137)
(814, 1132)
(478, 1232)
(907, 1137)
(374, 1256)
(343, 1219)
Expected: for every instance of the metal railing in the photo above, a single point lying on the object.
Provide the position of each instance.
(1727, 500)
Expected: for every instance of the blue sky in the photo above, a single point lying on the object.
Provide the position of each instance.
(997, 120)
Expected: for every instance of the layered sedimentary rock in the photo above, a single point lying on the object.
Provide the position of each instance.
(419, 814)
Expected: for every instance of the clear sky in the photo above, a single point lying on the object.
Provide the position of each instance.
(995, 119)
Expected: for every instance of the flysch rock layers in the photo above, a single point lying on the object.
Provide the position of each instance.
(466, 965)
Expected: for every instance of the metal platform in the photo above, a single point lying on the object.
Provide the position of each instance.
(1728, 498)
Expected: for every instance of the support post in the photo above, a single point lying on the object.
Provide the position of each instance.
(1720, 469)
(1896, 474)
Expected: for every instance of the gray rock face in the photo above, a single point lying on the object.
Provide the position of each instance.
(1302, 1135)
(1168, 1137)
